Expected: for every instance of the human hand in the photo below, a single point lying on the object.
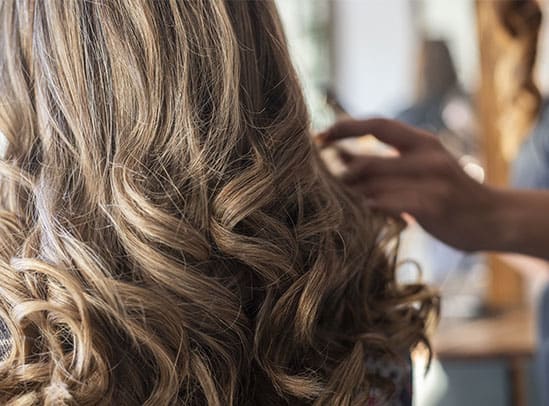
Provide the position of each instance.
(424, 181)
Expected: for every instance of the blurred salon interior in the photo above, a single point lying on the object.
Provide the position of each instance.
(476, 73)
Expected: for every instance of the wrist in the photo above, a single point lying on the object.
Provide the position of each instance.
(503, 217)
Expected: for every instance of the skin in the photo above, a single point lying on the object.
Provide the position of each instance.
(426, 182)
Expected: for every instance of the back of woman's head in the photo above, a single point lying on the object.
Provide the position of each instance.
(167, 233)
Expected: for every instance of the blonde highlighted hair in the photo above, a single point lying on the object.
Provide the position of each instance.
(168, 234)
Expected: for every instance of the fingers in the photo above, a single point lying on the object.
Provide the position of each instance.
(364, 167)
(390, 132)
(400, 197)
(361, 168)
(392, 205)
(393, 185)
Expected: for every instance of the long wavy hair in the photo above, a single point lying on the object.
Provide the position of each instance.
(168, 233)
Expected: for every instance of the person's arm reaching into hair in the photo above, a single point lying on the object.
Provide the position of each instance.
(427, 182)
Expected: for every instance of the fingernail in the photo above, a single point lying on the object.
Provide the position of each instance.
(320, 139)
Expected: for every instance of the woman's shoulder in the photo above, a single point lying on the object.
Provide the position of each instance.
(400, 373)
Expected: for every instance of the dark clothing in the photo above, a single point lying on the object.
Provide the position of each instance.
(4, 341)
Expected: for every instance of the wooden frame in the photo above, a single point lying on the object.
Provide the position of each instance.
(509, 102)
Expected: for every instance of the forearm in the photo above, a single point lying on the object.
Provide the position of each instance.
(519, 223)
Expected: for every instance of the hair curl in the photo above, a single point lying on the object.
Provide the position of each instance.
(168, 234)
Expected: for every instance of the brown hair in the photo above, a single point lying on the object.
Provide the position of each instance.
(168, 233)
